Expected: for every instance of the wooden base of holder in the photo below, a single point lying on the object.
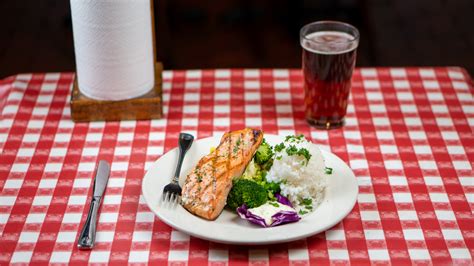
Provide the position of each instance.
(148, 106)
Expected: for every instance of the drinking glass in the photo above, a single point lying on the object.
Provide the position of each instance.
(329, 56)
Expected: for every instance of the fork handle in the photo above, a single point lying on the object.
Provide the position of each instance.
(185, 142)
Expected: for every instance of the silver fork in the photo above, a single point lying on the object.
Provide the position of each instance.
(172, 191)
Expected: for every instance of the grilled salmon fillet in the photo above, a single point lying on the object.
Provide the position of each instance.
(209, 182)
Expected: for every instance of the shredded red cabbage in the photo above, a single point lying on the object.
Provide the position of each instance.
(244, 213)
(281, 217)
(284, 217)
(283, 200)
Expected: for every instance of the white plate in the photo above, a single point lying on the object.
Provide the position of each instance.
(340, 197)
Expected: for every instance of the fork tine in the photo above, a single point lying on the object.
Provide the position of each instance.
(173, 198)
(177, 198)
(175, 202)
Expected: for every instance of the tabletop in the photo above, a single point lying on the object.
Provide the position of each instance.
(408, 138)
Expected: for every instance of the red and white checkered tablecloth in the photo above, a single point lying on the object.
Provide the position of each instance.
(408, 138)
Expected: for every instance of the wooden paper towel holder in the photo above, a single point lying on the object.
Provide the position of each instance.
(148, 106)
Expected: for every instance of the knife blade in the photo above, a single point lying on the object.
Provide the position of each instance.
(101, 178)
(87, 237)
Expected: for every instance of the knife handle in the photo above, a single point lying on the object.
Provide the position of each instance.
(87, 236)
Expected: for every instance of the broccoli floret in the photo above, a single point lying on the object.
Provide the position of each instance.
(264, 153)
(246, 192)
(266, 166)
(272, 188)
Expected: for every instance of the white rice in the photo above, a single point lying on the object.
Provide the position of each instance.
(298, 179)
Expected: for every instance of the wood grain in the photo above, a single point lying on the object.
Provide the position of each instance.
(148, 106)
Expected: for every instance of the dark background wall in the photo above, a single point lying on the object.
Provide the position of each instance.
(36, 36)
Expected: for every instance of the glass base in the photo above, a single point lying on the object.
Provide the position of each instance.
(325, 124)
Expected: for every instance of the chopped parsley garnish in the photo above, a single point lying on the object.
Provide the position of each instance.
(279, 147)
(328, 170)
(274, 204)
(292, 150)
(305, 153)
(198, 177)
(237, 146)
(292, 138)
(307, 205)
(302, 212)
(278, 157)
(307, 202)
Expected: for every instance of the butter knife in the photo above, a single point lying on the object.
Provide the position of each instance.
(87, 236)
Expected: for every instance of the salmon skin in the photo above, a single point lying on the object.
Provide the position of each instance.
(209, 182)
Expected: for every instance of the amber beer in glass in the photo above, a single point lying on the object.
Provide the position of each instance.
(329, 56)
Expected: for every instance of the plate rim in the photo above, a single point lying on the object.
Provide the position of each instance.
(243, 242)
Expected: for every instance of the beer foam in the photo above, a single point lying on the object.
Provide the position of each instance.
(329, 42)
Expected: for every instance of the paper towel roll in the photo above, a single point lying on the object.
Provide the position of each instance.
(113, 46)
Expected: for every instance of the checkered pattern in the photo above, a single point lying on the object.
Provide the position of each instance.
(408, 138)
